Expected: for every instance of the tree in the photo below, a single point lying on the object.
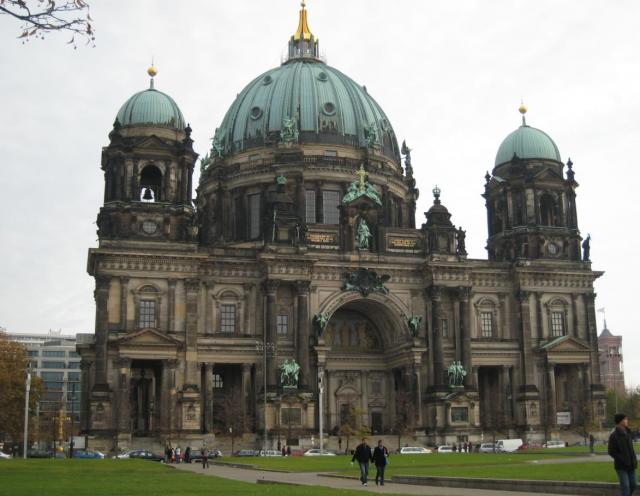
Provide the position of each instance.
(39, 17)
(13, 369)
(233, 419)
(405, 422)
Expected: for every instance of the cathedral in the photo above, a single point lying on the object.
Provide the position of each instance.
(296, 293)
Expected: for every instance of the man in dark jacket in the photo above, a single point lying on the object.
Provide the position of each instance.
(380, 454)
(623, 454)
(363, 455)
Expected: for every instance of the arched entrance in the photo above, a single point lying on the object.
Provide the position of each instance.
(371, 365)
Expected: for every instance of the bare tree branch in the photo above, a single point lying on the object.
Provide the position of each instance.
(39, 17)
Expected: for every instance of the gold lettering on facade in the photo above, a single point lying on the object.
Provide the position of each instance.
(403, 243)
(321, 238)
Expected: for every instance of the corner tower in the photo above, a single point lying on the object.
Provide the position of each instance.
(148, 166)
(531, 204)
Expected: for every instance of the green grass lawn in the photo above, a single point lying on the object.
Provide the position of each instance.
(485, 465)
(339, 463)
(129, 478)
(138, 477)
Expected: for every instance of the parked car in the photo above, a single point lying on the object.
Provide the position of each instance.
(445, 449)
(487, 448)
(196, 455)
(316, 452)
(140, 454)
(83, 453)
(246, 452)
(414, 450)
(554, 444)
(508, 445)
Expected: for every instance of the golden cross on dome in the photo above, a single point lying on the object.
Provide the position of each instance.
(361, 173)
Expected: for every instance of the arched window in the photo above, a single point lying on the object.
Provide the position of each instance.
(487, 318)
(558, 313)
(150, 184)
(548, 215)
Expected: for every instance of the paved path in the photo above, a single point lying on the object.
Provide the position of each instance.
(315, 479)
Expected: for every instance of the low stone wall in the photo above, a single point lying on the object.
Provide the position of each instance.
(534, 486)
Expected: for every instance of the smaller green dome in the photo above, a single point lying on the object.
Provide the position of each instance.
(527, 143)
(151, 107)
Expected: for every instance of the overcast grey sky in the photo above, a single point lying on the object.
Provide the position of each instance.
(449, 75)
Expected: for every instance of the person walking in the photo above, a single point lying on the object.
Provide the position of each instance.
(380, 455)
(363, 455)
(624, 457)
(592, 442)
(178, 453)
(205, 457)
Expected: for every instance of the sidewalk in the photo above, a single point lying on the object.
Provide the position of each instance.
(316, 479)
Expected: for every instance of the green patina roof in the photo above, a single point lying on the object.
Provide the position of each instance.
(151, 107)
(330, 108)
(527, 143)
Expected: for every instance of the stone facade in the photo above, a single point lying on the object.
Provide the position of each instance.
(307, 249)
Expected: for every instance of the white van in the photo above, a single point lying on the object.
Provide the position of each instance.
(508, 445)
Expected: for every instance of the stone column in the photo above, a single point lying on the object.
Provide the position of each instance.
(539, 317)
(171, 306)
(435, 293)
(302, 288)
(124, 291)
(192, 289)
(364, 382)
(575, 319)
(207, 397)
(246, 395)
(592, 335)
(464, 296)
(101, 296)
(551, 398)
(168, 397)
(123, 417)
(418, 390)
(525, 338)
(271, 288)
(507, 390)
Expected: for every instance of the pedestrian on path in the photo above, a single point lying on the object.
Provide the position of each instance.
(363, 455)
(623, 454)
(205, 457)
(380, 458)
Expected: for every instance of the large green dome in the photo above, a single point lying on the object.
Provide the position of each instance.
(329, 108)
(151, 107)
(527, 143)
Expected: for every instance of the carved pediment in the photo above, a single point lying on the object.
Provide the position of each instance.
(152, 142)
(566, 344)
(547, 173)
(148, 337)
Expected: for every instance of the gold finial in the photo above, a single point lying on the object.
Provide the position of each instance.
(152, 71)
(523, 110)
(303, 32)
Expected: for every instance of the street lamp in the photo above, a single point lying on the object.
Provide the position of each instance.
(26, 415)
(320, 414)
(272, 349)
(73, 399)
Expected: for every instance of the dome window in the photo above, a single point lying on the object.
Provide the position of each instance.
(267, 80)
(329, 108)
(256, 113)
(323, 76)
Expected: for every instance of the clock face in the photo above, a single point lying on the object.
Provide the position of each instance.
(552, 248)
(149, 227)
